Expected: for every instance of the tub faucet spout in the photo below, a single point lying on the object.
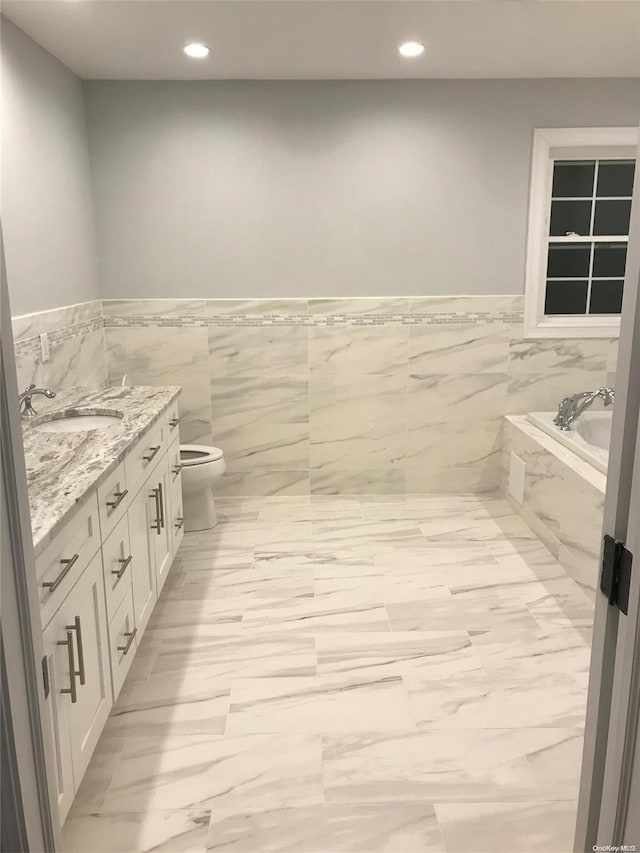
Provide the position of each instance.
(572, 407)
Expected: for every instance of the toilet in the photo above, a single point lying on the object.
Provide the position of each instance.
(201, 466)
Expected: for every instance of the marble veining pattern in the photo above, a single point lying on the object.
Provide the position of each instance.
(326, 674)
(62, 468)
(563, 499)
(326, 396)
(350, 396)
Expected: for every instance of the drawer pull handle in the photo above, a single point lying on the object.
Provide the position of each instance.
(123, 568)
(68, 565)
(176, 470)
(156, 524)
(179, 522)
(130, 635)
(72, 667)
(161, 501)
(77, 627)
(119, 497)
(153, 450)
(173, 423)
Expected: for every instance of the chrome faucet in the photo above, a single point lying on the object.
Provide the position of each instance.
(26, 409)
(572, 407)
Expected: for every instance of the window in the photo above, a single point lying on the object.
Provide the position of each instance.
(579, 212)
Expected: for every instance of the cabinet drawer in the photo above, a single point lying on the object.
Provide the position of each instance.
(116, 562)
(173, 420)
(64, 560)
(145, 454)
(122, 642)
(175, 470)
(177, 523)
(113, 499)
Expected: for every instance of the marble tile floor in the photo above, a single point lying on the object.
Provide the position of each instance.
(327, 674)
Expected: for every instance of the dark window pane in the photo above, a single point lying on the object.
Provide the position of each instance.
(571, 216)
(566, 297)
(606, 297)
(573, 178)
(568, 260)
(609, 259)
(612, 217)
(615, 177)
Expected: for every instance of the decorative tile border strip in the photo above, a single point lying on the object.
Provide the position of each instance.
(320, 320)
(55, 319)
(31, 346)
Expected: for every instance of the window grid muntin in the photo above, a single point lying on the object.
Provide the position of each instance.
(590, 238)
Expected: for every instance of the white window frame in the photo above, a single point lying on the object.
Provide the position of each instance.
(551, 144)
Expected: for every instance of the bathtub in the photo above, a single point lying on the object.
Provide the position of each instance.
(588, 438)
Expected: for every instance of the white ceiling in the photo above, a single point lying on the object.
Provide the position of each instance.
(336, 39)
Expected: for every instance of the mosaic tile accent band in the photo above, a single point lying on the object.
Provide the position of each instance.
(31, 346)
(334, 312)
(313, 320)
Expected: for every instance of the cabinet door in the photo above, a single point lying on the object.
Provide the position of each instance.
(57, 679)
(177, 524)
(142, 512)
(85, 621)
(162, 541)
(123, 639)
(117, 558)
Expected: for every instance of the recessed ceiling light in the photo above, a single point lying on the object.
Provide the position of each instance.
(197, 50)
(411, 49)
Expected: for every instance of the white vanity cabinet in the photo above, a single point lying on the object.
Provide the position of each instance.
(99, 578)
(123, 641)
(143, 570)
(177, 523)
(55, 671)
(85, 619)
(78, 679)
(175, 496)
(161, 534)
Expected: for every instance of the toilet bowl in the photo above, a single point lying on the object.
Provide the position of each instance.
(201, 467)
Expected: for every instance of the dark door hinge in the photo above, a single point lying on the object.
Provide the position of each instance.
(615, 578)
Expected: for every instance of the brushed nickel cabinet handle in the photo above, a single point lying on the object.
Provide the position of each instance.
(173, 423)
(72, 668)
(179, 522)
(68, 565)
(161, 502)
(153, 450)
(119, 497)
(77, 627)
(130, 634)
(156, 525)
(123, 568)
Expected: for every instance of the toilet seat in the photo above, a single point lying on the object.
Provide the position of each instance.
(198, 454)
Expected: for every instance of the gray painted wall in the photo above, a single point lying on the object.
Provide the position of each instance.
(47, 216)
(250, 189)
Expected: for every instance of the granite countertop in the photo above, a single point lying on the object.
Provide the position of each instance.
(62, 468)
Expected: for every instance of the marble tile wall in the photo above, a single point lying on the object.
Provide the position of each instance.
(563, 499)
(348, 396)
(328, 396)
(77, 354)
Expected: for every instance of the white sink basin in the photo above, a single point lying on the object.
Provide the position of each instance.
(79, 422)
